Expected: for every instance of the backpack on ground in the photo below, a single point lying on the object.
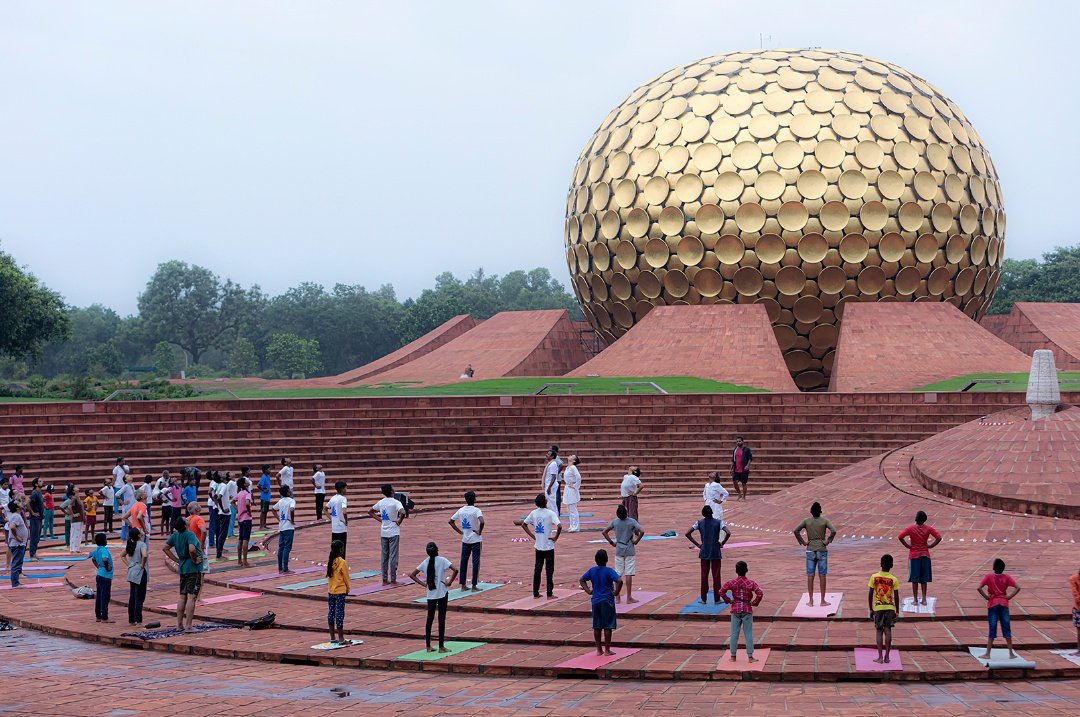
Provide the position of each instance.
(261, 623)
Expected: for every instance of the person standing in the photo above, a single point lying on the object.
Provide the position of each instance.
(572, 492)
(243, 520)
(919, 539)
(231, 489)
(998, 588)
(120, 473)
(185, 551)
(817, 550)
(125, 497)
(137, 516)
(17, 481)
(223, 504)
(90, 503)
(884, 603)
(17, 536)
(137, 557)
(76, 512)
(542, 525)
(285, 475)
(1074, 585)
(36, 520)
(629, 491)
(195, 522)
(158, 494)
(339, 517)
(709, 551)
(628, 534)
(337, 588)
(745, 596)
(318, 480)
(264, 496)
(104, 563)
(174, 498)
(471, 530)
(188, 494)
(48, 529)
(715, 494)
(551, 479)
(437, 583)
(389, 512)
(212, 506)
(603, 585)
(741, 456)
(108, 504)
(285, 509)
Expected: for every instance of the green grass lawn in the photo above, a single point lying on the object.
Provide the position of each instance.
(1016, 382)
(502, 387)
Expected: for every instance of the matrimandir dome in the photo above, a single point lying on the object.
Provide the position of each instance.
(798, 179)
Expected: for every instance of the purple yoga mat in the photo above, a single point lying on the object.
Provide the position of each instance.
(268, 576)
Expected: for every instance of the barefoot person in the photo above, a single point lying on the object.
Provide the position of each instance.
(542, 525)
(572, 492)
(630, 489)
(1074, 584)
(715, 494)
(604, 585)
(709, 551)
(471, 530)
(337, 588)
(817, 550)
(919, 539)
(998, 588)
(628, 534)
(187, 553)
(741, 455)
(745, 596)
(551, 480)
(436, 582)
(883, 599)
(389, 512)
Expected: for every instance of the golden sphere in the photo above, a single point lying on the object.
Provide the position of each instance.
(799, 179)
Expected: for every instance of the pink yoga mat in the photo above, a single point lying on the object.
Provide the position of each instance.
(217, 600)
(642, 597)
(531, 603)
(592, 661)
(47, 568)
(865, 656)
(31, 585)
(267, 576)
(747, 544)
(803, 610)
(368, 589)
(740, 664)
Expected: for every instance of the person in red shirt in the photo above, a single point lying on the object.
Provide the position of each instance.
(1074, 583)
(998, 588)
(919, 539)
(195, 522)
(741, 456)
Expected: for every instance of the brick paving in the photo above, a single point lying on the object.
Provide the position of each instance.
(1031, 326)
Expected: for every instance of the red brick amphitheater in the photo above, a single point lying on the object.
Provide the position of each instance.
(994, 483)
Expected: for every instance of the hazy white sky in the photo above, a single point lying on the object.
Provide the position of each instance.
(365, 143)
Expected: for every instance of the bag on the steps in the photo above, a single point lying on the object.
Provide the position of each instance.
(261, 623)
(83, 593)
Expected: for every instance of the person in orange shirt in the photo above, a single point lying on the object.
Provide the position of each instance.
(137, 517)
(195, 522)
(1074, 583)
(90, 509)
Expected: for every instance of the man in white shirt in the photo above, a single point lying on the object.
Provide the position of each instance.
(286, 513)
(542, 525)
(125, 496)
(472, 525)
(119, 472)
(715, 494)
(319, 481)
(572, 492)
(339, 517)
(285, 476)
(630, 490)
(223, 503)
(390, 512)
(551, 480)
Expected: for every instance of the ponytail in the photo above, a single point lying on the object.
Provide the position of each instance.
(133, 540)
(433, 552)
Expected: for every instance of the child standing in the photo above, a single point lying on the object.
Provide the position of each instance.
(883, 598)
(108, 497)
(745, 596)
(90, 502)
(628, 534)
(337, 573)
(998, 588)
(188, 494)
(472, 540)
(136, 555)
(243, 517)
(1074, 583)
(919, 539)
(709, 551)
(285, 509)
(104, 563)
(49, 529)
(437, 581)
(603, 584)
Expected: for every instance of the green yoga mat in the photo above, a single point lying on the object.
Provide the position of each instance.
(454, 647)
(458, 594)
(232, 559)
(324, 581)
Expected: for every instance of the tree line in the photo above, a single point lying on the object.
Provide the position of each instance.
(193, 320)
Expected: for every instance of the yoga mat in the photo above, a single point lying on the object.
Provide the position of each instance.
(32, 576)
(804, 610)
(567, 516)
(45, 567)
(32, 585)
(865, 656)
(647, 537)
(232, 559)
(324, 581)
(269, 576)
(61, 560)
(1068, 655)
(458, 594)
(592, 661)
(908, 605)
(642, 597)
(454, 647)
(741, 663)
(697, 608)
(1000, 660)
(747, 544)
(592, 522)
(217, 600)
(336, 645)
(531, 603)
(368, 589)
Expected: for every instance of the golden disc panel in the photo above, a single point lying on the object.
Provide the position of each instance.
(657, 253)
(769, 185)
(622, 315)
(911, 216)
(854, 248)
(786, 337)
(746, 155)
(676, 283)
(871, 280)
(834, 216)
(708, 282)
(980, 280)
(750, 217)
(824, 336)
(812, 248)
(601, 256)
(978, 249)
(869, 154)
(625, 193)
(955, 249)
(637, 222)
(620, 287)
(793, 216)
(671, 221)
(788, 154)
(709, 218)
(907, 281)
(649, 285)
(706, 157)
(964, 281)
(772, 308)
(938, 281)
(626, 255)
(812, 184)
(798, 360)
(656, 190)
(831, 280)
(747, 281)
(807, 309)
(688, 188)
(942, 218)
(926, 248)
(599, 287)
(770, 248)
(853, 184)
(729, 186)
(829, 153)
(874, 216)
(790, 280)
(729, 249)
(690, 251)
(891, 247)
(582, 258)
(890, 184)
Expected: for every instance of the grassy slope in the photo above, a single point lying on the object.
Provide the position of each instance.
(1016, 382)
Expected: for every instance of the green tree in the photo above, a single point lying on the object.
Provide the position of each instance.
(1055, 278)
(191, 307)
(30, 313)
(93, 340)
(294, 356)
(243, 361)
(164, 358)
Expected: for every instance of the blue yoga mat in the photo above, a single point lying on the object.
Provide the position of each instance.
(696, 608)
(324, 581)
(35, 575)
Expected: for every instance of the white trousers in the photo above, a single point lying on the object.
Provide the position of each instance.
(575, 519)
(76, 537)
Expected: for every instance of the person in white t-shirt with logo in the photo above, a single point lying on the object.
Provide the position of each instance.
(715, 494)
(472, 525)
(542, 525)
(286, 513)
(318, 479)
(551, 480)
(339, 517)
(285, 475)
(572, 492)
(389, 512)
(629, 491)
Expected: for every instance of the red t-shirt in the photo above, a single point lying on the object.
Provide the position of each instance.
(739, 460)
(197, 525)
(996, 585)
(919, 535)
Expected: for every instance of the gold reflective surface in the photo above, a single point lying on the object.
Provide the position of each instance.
(799, 179)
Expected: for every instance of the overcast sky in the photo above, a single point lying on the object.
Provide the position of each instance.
(368, 143)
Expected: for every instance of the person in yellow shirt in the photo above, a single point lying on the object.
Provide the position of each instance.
(90, 502)
(337, 573)
(884, 600)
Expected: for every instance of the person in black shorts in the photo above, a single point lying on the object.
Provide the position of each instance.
(741, 456)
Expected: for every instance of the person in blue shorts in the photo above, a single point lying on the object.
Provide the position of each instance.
(817, 549)
(603, 584)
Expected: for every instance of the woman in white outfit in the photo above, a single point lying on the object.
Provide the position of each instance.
(572, 492)
(714, 495)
